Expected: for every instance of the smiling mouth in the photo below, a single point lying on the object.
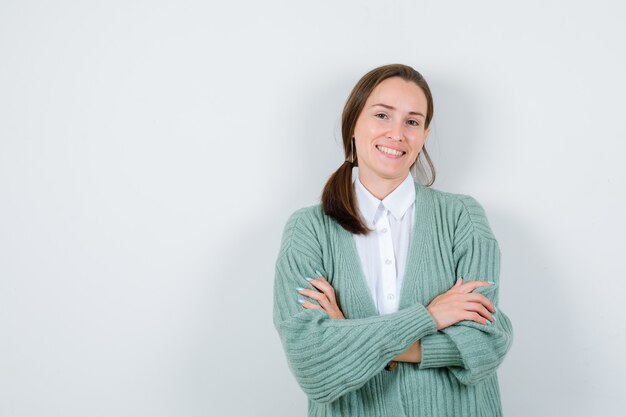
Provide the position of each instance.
(389, 151)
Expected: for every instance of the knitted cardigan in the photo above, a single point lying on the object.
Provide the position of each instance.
(340, 364)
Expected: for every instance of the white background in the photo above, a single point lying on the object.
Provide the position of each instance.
(151, 152)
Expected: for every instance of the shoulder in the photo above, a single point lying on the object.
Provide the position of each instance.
(303, 227)
(309, 216)
(466, 213)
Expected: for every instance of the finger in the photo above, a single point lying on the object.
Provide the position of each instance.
(319, 276)
(480, 309)
(479, 298)
(325, 287)
(310, 293)
(473, 316)
(472, 285)
(310, 305)
(456, 285)
(484, 301)
(317, 296)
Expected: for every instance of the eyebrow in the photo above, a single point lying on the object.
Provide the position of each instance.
(393, 108)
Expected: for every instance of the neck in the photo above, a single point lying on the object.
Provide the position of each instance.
(380, 187)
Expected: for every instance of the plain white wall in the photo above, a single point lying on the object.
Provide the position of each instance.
(151, 152)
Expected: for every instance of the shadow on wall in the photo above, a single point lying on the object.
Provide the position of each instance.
(542, 323)
(319, 144)
(452, 143)
(235, 350)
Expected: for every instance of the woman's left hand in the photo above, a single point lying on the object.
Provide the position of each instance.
(326, 299)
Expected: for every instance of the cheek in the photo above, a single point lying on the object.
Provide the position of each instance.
(417, 139)
(360, 144)
(367, 129)
(417, 143)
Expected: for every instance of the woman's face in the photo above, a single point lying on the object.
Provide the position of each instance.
(389, 133)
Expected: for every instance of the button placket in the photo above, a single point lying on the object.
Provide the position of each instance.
(388, 263)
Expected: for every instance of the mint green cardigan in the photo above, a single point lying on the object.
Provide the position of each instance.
(340, 363)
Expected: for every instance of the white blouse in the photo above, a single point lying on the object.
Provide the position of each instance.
(383, 252)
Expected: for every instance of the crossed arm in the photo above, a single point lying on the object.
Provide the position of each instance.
(457, 304)
(459, 329)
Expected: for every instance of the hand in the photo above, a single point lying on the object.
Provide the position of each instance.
(328, 302)
(326, 299)
(459, 303)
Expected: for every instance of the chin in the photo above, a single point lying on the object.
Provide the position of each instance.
(390, 175)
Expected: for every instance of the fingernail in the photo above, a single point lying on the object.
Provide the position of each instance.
(299, 289)
(301, 300)
(319, 274)
(309, 279)
(491, 282)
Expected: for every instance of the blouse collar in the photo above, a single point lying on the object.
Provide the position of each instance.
(397, 202)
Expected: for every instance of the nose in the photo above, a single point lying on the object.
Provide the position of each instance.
(395, 132)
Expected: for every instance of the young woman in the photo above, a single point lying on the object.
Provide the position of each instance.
(386, 293)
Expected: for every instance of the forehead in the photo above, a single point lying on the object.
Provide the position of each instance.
(401, 94)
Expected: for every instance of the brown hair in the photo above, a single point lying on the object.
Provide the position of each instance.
(338, 198)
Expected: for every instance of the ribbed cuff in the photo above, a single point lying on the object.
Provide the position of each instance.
(409, 325)
(438, 350)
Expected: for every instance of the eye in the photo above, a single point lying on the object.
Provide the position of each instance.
(413, 122)
(381, 115)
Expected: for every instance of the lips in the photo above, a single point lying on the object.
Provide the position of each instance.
(390, 151)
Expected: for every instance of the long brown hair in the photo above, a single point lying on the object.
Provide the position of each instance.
(338, 198)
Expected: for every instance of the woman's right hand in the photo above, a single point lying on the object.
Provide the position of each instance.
(460, 303)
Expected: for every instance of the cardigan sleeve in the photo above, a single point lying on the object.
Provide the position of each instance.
(330, 358)
(472, 351)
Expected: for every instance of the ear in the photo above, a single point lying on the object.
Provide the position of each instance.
(426, 132)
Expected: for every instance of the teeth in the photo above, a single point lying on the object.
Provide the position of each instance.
(389, 151)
